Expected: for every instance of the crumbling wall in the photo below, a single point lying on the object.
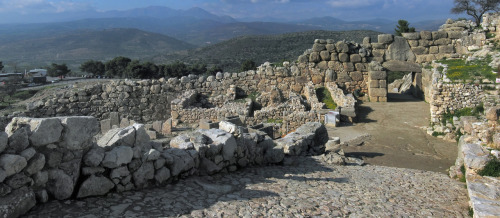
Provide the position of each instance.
(58, 158)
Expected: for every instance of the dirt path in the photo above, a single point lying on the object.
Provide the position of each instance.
(393, 137)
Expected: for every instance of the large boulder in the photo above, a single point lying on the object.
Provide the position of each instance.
(118, 156)
(143, 174)
(400, 50)
(60, 185)
(78, 132)
(12, 164)
(178, 160)
(43, 131)
(95, 186)
(117, 137)
(94, 157)
(224, 139)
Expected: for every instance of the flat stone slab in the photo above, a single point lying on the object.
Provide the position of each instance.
(309, 187)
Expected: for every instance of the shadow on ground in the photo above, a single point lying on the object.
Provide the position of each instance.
(187, 195)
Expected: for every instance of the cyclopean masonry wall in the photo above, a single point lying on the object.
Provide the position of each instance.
(58, 158)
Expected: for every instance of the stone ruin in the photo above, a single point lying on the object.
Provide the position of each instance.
(60, 158)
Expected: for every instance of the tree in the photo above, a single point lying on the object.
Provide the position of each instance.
(117, 66)
(58, 70)
(403, 27)
(1, 66)
(93, 67)
(146, 70)
(475, 8)
(248, 65)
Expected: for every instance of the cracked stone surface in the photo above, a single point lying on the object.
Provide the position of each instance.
(308, 187)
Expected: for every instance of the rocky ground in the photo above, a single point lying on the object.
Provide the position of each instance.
(307, 188)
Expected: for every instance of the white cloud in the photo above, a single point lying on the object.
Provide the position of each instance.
(33, 6)
(351, 3)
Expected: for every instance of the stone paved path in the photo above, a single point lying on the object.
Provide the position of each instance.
(306, 188)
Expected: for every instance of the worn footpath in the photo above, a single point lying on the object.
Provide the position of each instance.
(307, 187)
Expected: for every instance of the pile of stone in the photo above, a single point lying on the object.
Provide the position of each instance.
(402, 85)
(458, 25)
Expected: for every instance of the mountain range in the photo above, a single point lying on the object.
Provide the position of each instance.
(144, 33)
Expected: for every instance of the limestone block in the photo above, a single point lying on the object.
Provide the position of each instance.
(343, 77)
(330, 76)
(439, 35)
(334, 57)
(343, 57)
(385, 38)
(167, 126)
(323, 65)
(420, 50)
(36, 164)
(226, 140)
(162, 175)
(455, 34)
(400, 50)
(325, 55)
(395, 65)
(475, 156)
(493, 113)
(377, 75)
(355, 58)
(356, 76)
(411, 36)
(361, 67)
(12, 164)
(178, 160)
(94, 157)
(95, 186)
(78, 132)
(143, 174)
(378, 92)
(382, 83)
(28, 153)
(367, 40)
(318, 47)
(18, 140)
(425, 43)
(342, 47)
(119, 136)
(118, 156)
(331, 48)
(314, 57)
(373, 84)
(348, 67)
(379, 45)
(114, 119)
(413, 43)
(426, 35)
(141, 136)
(105, 126)
(43, 131)
(303, 59)
(446, 49)
(434, 50)
(442, 41)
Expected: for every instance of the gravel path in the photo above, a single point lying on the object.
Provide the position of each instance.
(306, 188)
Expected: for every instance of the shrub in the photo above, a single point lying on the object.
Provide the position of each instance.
(326, 97)
(492, 168)
(436, 134)
(462, 169)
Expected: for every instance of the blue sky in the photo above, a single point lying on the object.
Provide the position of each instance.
(412, 10)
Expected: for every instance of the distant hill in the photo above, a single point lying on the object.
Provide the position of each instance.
(78, 46)
(382, 25)
(273, 48)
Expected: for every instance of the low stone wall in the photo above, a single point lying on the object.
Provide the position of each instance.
(58, 158)
(483, 190)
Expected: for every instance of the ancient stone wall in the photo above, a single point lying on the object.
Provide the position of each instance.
(58, 158)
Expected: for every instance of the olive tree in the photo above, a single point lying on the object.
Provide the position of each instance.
(475, 8)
